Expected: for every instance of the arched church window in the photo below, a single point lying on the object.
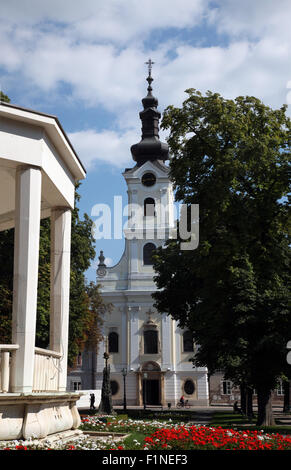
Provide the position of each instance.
(148, 250)
(113, 342)
(150, 342)
(149, 207)
(188, 344)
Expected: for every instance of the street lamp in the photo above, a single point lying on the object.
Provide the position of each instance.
(145, 376)
(106, 357)
(124, 373)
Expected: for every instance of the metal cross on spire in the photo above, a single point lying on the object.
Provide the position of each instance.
(150, 64)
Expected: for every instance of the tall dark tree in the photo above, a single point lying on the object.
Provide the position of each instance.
(232, 158)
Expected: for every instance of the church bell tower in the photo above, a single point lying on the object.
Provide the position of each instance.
(147, 344)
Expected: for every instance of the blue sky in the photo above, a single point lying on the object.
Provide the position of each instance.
(85, 63)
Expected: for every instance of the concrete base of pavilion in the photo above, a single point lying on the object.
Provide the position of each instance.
(38, 415)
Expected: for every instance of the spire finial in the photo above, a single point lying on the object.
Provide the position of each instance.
(101, 270)
(150, 147)
(150, 63)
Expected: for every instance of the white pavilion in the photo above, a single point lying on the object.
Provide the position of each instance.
(38, 172)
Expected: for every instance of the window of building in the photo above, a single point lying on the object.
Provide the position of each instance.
(189, 387)
(113, 342)
(150, 342)
(77, 386)
(114, 387)
(280, 388)
(226, 387)
(148, 250)
(188, 344)
(149, 207)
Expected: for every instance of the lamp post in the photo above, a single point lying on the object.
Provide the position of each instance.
(145, 376)
(106, 357)
(124, 373)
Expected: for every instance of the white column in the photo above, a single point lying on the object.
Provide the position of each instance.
(124, 339)
(134, 340)
(166, 342)
(4, 384)
(60, 287)
(26, 254)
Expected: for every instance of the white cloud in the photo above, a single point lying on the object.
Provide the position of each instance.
(113, 20)
(99, 49)
(254, 19)
(106, 146)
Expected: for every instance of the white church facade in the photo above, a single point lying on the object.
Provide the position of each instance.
(149, 345)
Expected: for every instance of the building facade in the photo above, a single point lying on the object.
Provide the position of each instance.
(148, 345)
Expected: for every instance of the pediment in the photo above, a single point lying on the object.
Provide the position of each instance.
(158, 168)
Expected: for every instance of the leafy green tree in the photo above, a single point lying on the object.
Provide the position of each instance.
(82, 253)
(4, 97)
(232, 158)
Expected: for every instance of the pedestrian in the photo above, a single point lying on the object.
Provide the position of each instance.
(92, 401)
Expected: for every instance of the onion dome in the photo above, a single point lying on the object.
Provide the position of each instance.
(150, 147)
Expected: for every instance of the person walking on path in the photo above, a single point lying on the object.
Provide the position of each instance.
(92, 401)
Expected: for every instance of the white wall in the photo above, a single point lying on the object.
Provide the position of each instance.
(84, 401)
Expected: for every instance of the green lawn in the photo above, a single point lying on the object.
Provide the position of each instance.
(130, 441)
(234, 420)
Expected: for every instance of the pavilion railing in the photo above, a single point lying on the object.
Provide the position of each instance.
(5, 365)
(46, 370)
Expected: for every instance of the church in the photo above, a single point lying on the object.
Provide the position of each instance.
(148, 352)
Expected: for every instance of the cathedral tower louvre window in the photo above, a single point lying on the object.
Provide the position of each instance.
(149, 207)
(148, 250)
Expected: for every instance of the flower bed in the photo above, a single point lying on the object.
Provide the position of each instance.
(114, 424)
(155, 435)
(208, 438)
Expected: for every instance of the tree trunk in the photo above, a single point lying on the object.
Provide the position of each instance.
(94, 369)
(243, 402)
(249, 400)
(286, 388)
(265, 412)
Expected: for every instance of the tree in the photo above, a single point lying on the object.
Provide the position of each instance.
(82, 316)
(4, 97)
(231, 157)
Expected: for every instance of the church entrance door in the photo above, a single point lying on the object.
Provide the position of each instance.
(152, 391)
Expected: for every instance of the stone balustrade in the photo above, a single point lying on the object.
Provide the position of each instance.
(5, 369)
(46, 370)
